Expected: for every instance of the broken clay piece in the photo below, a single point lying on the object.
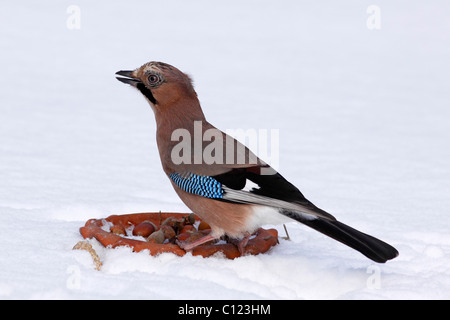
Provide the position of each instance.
(167, 228)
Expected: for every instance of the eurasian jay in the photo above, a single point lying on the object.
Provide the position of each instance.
(214, 187)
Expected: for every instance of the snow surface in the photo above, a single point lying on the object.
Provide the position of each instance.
(364, 132)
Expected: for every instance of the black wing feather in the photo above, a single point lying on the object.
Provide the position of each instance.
(270, 185)
(277, 187)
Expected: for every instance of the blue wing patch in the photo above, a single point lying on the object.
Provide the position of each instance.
(203, 186)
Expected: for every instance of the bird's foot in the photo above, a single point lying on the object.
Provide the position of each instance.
(189, 246)
(242, 243)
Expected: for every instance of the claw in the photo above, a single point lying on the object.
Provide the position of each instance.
(183, 245)
(241, 244)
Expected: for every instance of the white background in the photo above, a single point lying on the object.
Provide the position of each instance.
(364, 133)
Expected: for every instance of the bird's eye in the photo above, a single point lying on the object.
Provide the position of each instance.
(153, 78)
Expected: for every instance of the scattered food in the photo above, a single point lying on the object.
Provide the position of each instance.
(160, 232)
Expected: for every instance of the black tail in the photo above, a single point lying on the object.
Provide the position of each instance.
(369, 246)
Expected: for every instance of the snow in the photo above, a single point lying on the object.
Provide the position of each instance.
(363, 117)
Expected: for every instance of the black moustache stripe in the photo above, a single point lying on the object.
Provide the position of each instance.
(146, 92)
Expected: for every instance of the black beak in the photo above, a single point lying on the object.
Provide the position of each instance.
(137, 83)
(129, 79)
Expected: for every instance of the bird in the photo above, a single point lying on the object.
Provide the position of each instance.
(235, 192)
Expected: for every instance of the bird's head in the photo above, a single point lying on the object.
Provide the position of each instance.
(162, 84)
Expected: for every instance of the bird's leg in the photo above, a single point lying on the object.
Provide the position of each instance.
(188, 246)
(243, 243)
